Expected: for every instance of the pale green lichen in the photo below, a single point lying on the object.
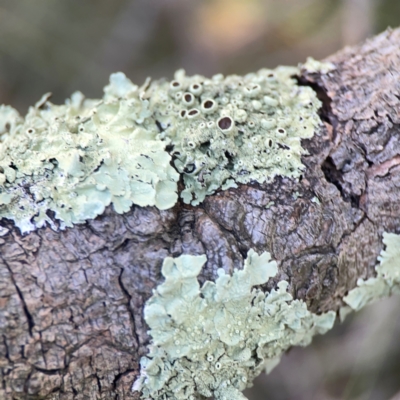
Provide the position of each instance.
(75, 159)
(215, 339)
(387, 280)
(235, 129)
(312, 66)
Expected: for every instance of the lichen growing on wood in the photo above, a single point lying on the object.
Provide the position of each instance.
(387, 280)
(235, 129)
(215, 339)
(77, 158)
(313, 66)
(130, 146)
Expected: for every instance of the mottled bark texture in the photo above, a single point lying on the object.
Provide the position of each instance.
(71, 302)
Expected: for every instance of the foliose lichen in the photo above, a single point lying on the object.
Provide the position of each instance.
(77, 158)
(215, 339)
(387, 280)
(235, 129)
(130, 146)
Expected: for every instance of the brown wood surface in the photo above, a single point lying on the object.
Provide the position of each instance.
(71, 324)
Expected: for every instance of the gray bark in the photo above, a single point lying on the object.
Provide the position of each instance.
(71, 323)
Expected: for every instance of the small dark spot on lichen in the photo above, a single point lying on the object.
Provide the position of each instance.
(189, 168)
(159, 126)
(188, 98)
(283, 146)
(225, 123)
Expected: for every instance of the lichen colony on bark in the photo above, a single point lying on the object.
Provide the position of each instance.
(71, 314)
(214, 340)
(76, 159)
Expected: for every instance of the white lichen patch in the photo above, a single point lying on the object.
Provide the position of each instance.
(387, 280)
(215, 339)
(235, 129)
(75, 159)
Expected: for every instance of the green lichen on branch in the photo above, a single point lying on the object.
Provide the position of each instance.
(387, 280)
(77, 158)
(215, 339)
(130, 146)
(235, 129)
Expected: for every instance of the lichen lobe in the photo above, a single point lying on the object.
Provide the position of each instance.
(387, 280)
(215, 339)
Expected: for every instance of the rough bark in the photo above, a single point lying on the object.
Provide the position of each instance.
(71, 323)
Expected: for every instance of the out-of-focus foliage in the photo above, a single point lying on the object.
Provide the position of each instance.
(64, 46)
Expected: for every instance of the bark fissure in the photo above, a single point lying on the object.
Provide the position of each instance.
(28, 315)
(128, 305)
(49, 371)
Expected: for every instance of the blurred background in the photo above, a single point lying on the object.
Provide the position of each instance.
(63, 46)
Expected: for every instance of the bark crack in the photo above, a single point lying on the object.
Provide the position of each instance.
(28, 315)
(128, 305)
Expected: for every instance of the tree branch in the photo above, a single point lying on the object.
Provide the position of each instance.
(71, 305)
